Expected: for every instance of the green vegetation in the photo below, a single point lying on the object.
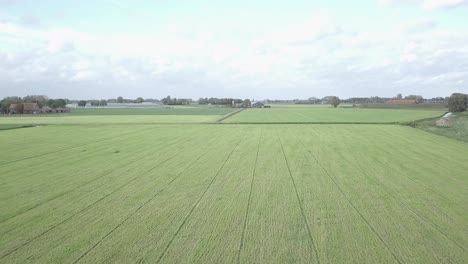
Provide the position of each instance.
(458, 102)
(440, 107)
(124, 116)
(153, 111)
(458, 128)
(107, 119)
(329, 114)
(222, 194)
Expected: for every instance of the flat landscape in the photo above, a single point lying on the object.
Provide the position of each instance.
(327, 114)
(205, 193)
(124, 116)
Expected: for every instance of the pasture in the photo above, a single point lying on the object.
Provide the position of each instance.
(233, 193)
(123, 116)
(326, 114)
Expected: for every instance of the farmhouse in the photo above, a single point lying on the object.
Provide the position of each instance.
(394, 101)
(33, 108)
(258, 105)
(30, 108)
(24, 108)
(16, 109)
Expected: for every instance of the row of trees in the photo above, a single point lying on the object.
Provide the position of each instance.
(41, 100)
(95, 103)
(175, 101)
(219, 101)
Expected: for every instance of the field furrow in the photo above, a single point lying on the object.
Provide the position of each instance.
(233, 194)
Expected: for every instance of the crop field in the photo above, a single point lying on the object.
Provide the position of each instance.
(320, 114)
(122, 116)
(177, 110)
(199, 193)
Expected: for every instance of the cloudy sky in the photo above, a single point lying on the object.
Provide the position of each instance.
(248, 49)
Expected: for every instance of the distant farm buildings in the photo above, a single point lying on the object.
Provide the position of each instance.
(24, 108)
(33, 108)
(258, 105)
(401, 101)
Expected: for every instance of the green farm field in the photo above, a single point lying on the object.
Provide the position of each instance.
(326, 114)
(232, 194)
(123, 116)
(177, 110)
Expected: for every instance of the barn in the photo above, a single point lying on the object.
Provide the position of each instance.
(16, 109)
(31, 108)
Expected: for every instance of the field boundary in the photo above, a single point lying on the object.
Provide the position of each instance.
(15, 127)
(230, 114)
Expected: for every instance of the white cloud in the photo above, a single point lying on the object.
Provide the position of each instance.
(434, 4)
(307, 57)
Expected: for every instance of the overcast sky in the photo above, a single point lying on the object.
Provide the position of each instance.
(248, 49)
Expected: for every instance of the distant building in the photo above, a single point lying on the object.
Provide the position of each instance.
(24, 108)
(401, 101)
(33, 108)
(258, 105)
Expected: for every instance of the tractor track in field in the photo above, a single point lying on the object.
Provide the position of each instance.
(69, 148)
(95, 153)
(439, 164)
(350, 203)
(358, 167)
(419, 183)
(103, 148)
(90, 205)
(241, 246)
(88, 182)
(301, 206)
(229, 115)
(195, 205)
(146, 202)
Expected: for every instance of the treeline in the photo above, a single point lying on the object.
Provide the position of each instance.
(366, 100)
(175, 101)
(219, 101)
(41, 100)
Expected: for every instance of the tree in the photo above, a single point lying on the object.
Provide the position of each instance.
(103, 103)
(82, 103)
(458, 102)
(7, 101)
(41, 100)
(334, 100)
(120, 100)
(95, 103)
(167, 100)
(56, 103)
(399, 96)
(139, 100)
(418, 98)
(247, 103)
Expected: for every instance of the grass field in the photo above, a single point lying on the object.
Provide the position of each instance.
(321, 114)
(178, 110)
(123, 116)
(440, 107)
(232, 194)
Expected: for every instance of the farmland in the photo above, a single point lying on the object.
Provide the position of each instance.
(123, 116)
(321, 114)
(232, 193)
